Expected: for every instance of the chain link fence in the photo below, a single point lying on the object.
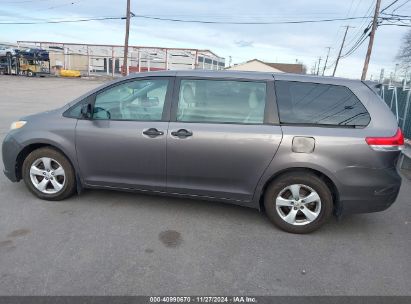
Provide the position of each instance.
(398, 100)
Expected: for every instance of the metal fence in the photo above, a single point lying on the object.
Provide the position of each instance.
(398, 100)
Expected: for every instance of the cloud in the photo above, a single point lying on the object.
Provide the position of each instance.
(243, 43)
(279, 43)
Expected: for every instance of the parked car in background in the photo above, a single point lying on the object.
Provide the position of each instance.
(7, 51)
(297, 147)
(37, 54)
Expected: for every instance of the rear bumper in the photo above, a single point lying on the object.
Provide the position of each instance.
(368, 190)
(10, 151)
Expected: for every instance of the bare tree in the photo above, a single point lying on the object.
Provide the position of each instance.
(404, 54)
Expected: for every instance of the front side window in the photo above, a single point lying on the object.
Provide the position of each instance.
(221, 101)
(322, 104)
(133, 100)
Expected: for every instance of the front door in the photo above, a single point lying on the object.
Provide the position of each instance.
(220, 143)
(124, 143)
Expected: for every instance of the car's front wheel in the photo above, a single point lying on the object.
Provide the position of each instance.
(298, 202)
(48, 174)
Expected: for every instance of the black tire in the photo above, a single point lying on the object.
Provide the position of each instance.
(69, 186)
(302, 178)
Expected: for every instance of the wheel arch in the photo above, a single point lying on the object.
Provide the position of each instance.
(329, 182)
(34, 146)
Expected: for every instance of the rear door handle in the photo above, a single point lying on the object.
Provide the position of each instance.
(152, 132)
(182, 133)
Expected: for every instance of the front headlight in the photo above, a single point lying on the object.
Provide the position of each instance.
(17, 124)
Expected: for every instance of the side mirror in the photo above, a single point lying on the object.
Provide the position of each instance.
(86, 111)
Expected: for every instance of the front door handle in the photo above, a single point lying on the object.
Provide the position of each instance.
(153, 132)
(182, 133)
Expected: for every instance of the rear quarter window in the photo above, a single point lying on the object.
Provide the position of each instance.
(319, 104)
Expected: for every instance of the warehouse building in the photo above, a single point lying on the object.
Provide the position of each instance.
(256, 65)
(93, 59)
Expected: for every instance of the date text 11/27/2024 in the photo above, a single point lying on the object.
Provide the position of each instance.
(203, 299)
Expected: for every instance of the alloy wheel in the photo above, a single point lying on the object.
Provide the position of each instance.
(47, 175)
(298, 204)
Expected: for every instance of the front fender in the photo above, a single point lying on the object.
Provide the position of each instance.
(62, 137)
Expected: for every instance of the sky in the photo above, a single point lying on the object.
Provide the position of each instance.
(285, 43)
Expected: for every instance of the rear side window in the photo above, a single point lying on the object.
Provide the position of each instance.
(221, 101)
(322, 104)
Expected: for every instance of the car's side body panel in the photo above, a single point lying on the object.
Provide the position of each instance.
(48, 128)
(220, 160)
(117, 154)
(355, 169)
(365, 179)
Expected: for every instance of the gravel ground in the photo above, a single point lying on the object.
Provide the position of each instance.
(113, 243)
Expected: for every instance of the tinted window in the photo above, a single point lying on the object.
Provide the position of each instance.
(221, 101)
(133, 100)
(314, 103)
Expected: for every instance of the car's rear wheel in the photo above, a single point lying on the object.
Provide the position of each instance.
(48, 174)
(298, 202)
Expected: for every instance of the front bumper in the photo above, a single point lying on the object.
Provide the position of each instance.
(368, 190)
(10, 152)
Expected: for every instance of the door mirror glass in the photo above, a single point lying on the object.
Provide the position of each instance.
(101, 113)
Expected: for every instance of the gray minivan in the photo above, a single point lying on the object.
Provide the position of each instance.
(297, 147)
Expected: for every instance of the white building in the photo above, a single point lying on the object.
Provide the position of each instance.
(108, 59)
(256, 65)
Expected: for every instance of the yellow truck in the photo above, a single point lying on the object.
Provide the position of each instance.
(32, 67)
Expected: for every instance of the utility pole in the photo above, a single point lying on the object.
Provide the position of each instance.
(125, 63)
(371, 42)
(318, 67)
(342, 45)
(326, 59)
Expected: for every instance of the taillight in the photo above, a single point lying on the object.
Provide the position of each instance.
(394, 143)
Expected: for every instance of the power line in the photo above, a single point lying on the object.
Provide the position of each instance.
(66, 21)
(190, 21)
(367, 16)
(24, 1)
(389, 5)
(404, 25)
(359, 42)
(341, 24)
(398, 7)
(393, 17)
(247, 23)
(360, 31)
